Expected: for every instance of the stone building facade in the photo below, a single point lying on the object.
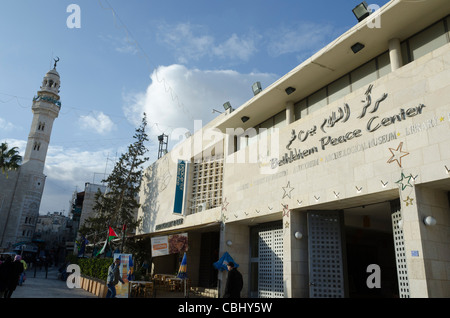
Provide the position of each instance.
(337, 171)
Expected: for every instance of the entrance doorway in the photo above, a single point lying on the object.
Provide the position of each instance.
(209, 253)
(342, 244)
(369, 239)
(266, 262)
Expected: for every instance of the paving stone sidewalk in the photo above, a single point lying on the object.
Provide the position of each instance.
(50, 287)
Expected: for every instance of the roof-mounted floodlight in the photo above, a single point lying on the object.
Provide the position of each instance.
(256, 87)
(227, 106)
(361, 11)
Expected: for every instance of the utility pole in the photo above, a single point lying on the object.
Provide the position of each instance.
(124, 228)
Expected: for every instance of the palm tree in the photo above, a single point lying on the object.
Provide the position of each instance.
(9, 158)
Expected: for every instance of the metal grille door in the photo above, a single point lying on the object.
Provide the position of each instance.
(400, 256)
(326, 267)
(270, 266)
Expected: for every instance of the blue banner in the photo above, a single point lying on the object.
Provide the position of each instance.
(179, 188)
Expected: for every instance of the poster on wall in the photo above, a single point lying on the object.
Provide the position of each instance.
(126, 264)
(172, 244)
(160, 246)
(179, 188)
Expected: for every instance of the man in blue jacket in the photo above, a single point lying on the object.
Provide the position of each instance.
(113, 278)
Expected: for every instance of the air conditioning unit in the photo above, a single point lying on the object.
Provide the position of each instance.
(203, 206)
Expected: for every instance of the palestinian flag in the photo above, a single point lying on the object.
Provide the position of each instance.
(111, 235)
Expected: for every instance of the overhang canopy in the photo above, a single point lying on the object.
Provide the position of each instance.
(337, 58)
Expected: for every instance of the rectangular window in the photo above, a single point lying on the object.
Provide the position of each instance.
(268, 125)
(265, 130)
(253, 135)
(279, 119)
(384, 64)
(338, 89)
(41, 126)
(428, 40)
(364, 75)
(241, 141)
(301, 109)
(447, 28)
(405, 52)
(317, 100)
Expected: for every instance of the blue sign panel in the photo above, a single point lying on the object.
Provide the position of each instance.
(179, 188)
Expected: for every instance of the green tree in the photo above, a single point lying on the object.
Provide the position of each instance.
(118, 205)
(9, 159)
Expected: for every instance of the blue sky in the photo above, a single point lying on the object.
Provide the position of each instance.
(176, 60)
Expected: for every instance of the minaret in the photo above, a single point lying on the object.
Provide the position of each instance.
(46, 106)
(21, 193)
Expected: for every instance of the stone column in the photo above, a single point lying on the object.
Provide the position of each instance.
(395, 54)
(239, 237)
(290, 115)
(295, 257)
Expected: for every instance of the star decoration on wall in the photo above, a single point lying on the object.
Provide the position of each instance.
(397, 154)
(225, 204)
(408, 201)
(402, 182)
(287, 190)
(286, 225)
(286, 210)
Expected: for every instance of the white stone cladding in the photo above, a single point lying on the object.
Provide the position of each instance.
(382, 144)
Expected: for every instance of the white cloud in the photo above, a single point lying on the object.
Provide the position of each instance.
(185, 41)
(74, 165)
(191, 42)
(6, 125)
(98, 122)
(20, 144)
(67, 170)
(124, 45)
(236, 47)
(302, 38)
(177, 96)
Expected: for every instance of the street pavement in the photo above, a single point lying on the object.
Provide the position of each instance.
(48, 287)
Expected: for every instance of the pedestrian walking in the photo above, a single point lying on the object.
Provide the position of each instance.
(5, 267)
(234, 282)
(113, 278)
(23, 275)
(10, 273)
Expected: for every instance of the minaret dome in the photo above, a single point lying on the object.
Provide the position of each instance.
(51, 83)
